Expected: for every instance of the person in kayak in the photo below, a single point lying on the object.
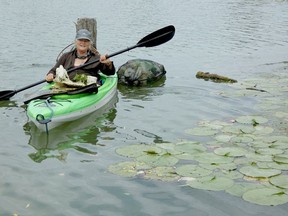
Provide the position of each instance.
(84, 52)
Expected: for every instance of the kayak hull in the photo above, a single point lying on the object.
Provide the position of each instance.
(50, 113)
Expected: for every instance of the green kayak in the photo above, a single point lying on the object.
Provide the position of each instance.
(55, 110)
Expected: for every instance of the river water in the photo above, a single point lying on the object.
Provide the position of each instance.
(66, 173)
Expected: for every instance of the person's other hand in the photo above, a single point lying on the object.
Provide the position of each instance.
(105, 60)
(49, 77)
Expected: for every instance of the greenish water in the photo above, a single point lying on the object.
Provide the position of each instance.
(66, 173)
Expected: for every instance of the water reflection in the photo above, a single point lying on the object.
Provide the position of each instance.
(8, 103)
(81, 135)
(142, 93)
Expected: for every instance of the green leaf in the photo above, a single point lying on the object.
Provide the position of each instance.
(239, 188)
(266, 196)
(190, 147)
(201, 131)
(257, 172)
(281, 159)
(158, 160)
(254, 120)
(161, 173)
(269, 151)
(213, 183)
(230, 151)
(224, 137)
(190, 170)
(210, 158)
(133, 151)
(127, 168)
(280, 181)
(223, 167)
(242, 139)
(238, 129)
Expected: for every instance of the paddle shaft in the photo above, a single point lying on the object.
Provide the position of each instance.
(154, 39)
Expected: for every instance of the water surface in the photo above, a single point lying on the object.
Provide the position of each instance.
(66, 173)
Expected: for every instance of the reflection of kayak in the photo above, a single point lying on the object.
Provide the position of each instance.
(83, 130)
(61, 108)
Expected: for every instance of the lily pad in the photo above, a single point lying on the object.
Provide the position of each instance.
(238, 129)
(281, 114)
(133, 151)
(254, 120)
(213, 183)
(266, 196)
(216, 125)
(259, 157)
(158, 160)
(280, 181)
(190, 170)
(211, 158)
(269, 151)
(257, 172)
(260, 144)
(242, 139)
(223, 167)
(161, 173)
(169, 147)
(279, 145)
(239, 188)
(201, 131)
(262, 130)
(231, 174)
(280, 166)
(230, 151)
(224, 138)
(127, 168)
(281, 159)
(276, 139)
(243, 161)
(187, 156)
(190, 147)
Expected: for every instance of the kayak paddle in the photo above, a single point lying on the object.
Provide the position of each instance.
(153, 39)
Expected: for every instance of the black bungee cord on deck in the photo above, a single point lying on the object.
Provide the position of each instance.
(41, 119)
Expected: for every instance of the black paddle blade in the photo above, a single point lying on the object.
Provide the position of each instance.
(5, 95)
(158, 37)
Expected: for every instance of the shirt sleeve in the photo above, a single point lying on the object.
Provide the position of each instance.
(108, 69)
(61, 61)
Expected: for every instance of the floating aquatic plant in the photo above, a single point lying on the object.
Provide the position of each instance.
(161, 173)
(281, 159)
(128, 168)
(238, 129)
(239, 188)
(190, 147)
(247, 157)
(266, 196)
(213, 183)
(230, 151)
(254, 120)
(257, 172)
(280, 181)
(201, 131)
(190, 170)
(134, 151)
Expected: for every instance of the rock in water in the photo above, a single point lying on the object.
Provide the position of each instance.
(140, 72)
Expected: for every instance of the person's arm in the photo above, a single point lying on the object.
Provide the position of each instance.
(107, 66)
(52, 72)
